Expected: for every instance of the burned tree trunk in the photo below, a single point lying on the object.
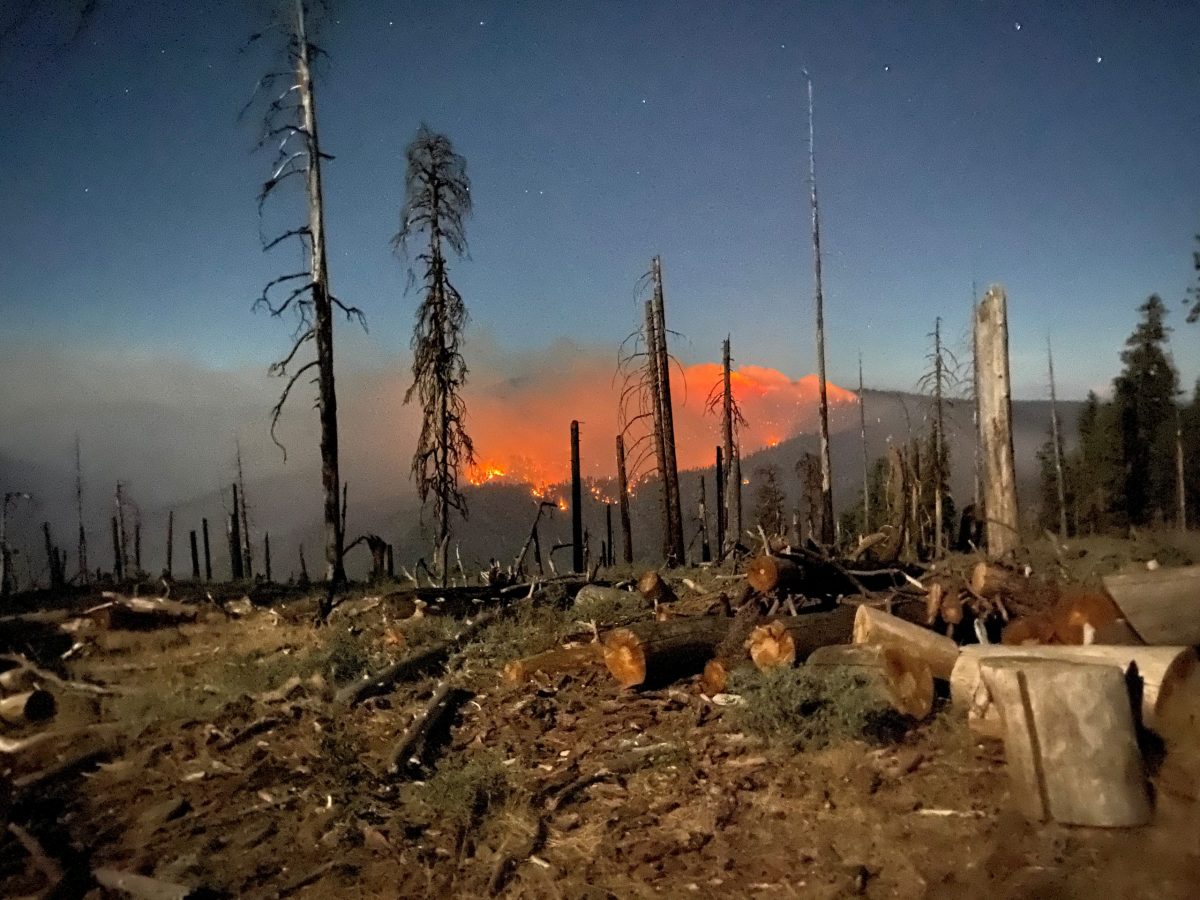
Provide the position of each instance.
(660, 447)
(207, 551)
(719, 482)
(169, 569)
(671, 474)
(995, 419)
(576, 502)
(54, 561)
(733, 469)
(827, 530)
(702, 514)
(1056, 439)
(195, 556)
(234, 532)
(82, 546)
(267, 557)
(118, 563)
(623, 487)
(246, 549)
(862, 432)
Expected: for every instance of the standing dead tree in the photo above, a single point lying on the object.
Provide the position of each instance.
(827, 524)
(721, 396)
(862, 433)
(939, 382)
(437, 204)
(82, 544)
(1060, 485)
(643, 364)
(247, 545)
(995, 419)
(290, 126)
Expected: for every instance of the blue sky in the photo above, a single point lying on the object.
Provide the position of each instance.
(1052, 148)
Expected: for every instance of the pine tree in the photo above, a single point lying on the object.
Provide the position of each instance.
(1144, 398)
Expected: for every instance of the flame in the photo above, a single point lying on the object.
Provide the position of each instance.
(521, 425)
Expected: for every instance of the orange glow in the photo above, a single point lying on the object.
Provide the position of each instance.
(521, 427)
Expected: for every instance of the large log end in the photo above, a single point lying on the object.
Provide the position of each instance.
(624, 657)
(771, 646)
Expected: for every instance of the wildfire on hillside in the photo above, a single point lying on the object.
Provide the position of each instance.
(522, 429)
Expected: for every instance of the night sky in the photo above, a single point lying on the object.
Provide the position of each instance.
(1054, 150)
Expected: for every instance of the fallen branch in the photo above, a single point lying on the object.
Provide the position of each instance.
(42, 861)
(554, 662)
(415, 663)
(57, 681)
(430, 724)
(141, 887)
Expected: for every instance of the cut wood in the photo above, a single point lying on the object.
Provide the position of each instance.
(1162, 606)
(874, 626)
(715, 677)
(771, 573)
(655, 588)
(27, 708)
(989, 580)
(1069, 741)
(790, 639)
(900, 678)
(554, 662)
(1167, 675)
(656, 652)
(415, 663)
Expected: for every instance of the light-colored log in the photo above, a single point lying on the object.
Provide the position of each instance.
(554, 662)
(903, 680)
(995, 423)
(1166, 675)
(1069, 742)
(600, 596)
(1162, 606)
(27, 708)
(790, 639)
(989, 580)
(874, 626)
(769, 573)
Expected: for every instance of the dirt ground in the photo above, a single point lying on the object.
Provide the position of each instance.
(224, 764)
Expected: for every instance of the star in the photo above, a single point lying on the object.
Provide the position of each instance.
(887, 68)
(1017, 25)
(1099, 59)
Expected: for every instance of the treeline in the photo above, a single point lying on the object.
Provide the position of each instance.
(1137, 452)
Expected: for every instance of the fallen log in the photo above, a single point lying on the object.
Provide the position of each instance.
(414, 663)
(27, 708)
(1162, 606)
(45, 675)
(791, 639)
(899, 678)
(122, 613)
(1167, 677)
(554, 662)
(600, 596)
(989, 580)
(767, 573)
(874, 626)
(653, 653)
(1069, 742)
(429, 729)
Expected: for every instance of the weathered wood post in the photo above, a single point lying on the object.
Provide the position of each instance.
(207, 551)
(576, 502)
(118, 563)
(195, 556)
(623, 487)
(995, 421)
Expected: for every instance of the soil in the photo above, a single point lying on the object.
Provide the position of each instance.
(226, 765)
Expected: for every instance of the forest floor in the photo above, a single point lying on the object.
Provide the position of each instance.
(224, 764)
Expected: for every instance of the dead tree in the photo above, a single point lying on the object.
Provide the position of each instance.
(234, 532)
(732, 421)
(437, 203)
(1056, 439)
(267, 557)
(118, 563)
(862, 431)
(122, 535)
(577, 561)
(195, 556)
(623, 487)
(939, 381)
(57, 578)
(827, 529)
(660, 444)
(719, 484)
(290, 126)
(207, 551)
(995, 421)
(81, 549)
(168, 569)
(702, 515)
(671, 473)
(247, 546)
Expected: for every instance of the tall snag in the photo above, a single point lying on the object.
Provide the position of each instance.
(939, 381)
(827, 524)
(721, 396)
(437, 203)
(290, 125)
(671, 474)
(81, 549)
(1056, 438)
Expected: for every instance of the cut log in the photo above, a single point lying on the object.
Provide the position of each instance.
(772, 573)
(27, 708)
(989, 580)
(554, 662)
(654, 653)
(1167, 675)
(790, 639)
(415, 663)
(900, 678)
(1162, 606)
(874, 626)
(655, 588)
(1069, 741)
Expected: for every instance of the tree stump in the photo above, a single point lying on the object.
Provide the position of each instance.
(1070, 742)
